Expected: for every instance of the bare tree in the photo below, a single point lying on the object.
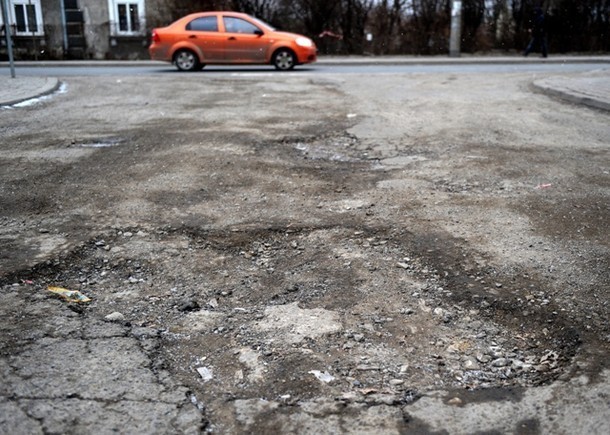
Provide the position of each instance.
(353, 20)
(264, 9)
(386, 19)
(420, 26)
(428, 26)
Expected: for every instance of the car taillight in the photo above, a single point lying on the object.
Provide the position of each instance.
(155, 36)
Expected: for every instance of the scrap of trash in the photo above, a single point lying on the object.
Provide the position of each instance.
(69, 295)
(544, 186)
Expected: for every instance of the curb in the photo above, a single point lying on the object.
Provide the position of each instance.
(571, 96)
(50, 85)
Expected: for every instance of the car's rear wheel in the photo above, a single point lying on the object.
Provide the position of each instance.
(284, 59)
(186, 60)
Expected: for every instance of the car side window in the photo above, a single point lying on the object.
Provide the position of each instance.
(237, 25)
(203, 24)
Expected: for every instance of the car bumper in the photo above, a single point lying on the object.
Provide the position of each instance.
(308, 55)
(159, 53)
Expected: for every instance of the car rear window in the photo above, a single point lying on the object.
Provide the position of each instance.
(203, 24)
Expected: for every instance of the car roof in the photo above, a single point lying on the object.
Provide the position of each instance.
(190, 17)
(207, 13)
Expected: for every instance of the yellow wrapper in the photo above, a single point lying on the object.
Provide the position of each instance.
(69, 295)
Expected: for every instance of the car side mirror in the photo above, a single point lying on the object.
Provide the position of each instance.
(259, 32)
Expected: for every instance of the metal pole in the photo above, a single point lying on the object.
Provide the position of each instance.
(64, 26)
(7, 34)
(456, 28)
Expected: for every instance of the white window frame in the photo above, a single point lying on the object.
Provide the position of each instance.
(13, 18)
(113, 9)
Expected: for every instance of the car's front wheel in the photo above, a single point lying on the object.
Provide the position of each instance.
(186, 60)
(284, 59)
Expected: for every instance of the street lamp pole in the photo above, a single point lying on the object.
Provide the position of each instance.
(7, 34)
(64, 28)
(456, 28)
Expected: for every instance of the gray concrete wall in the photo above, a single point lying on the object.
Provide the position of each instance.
(53, 30)
(97, 28)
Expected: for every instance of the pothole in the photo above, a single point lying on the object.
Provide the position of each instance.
(356, 304)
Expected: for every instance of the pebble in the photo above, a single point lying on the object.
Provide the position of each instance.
(470, 363)
(359, 337)
(500, 362)
(188, 305)
(114, 317)
(323, 376)
(482, 358)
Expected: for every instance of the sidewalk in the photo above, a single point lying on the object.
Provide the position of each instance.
(19, 89)
(591, 89)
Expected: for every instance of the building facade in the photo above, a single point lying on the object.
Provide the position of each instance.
(80, 29)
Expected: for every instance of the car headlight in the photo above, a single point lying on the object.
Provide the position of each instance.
(304, 42)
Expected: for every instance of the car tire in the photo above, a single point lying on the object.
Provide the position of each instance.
(186, 60)
(284, 59)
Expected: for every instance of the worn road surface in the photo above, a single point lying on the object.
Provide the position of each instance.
(289, 253)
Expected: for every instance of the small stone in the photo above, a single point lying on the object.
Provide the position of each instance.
(114, 317)
(396, 382)
(482, 358)
(518, 364)
(470, 363)
(500, 362)
(323, 376)
(456, 401)
(186, 305)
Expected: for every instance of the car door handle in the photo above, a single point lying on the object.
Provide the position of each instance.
(193, 37)
(232, 38)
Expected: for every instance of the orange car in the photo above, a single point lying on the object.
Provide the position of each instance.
(228, 38)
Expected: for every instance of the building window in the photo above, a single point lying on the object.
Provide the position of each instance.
(25, 17)
(126, 17)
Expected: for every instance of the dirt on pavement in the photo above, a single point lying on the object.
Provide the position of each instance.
(270, 253)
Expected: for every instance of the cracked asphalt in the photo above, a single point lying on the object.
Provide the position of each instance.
(303, 253)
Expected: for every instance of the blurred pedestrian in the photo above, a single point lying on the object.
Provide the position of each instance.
(538, 32)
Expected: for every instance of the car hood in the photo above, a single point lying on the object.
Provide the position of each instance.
(289, 35)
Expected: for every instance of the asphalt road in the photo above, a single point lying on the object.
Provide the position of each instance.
(381, 68)
(280, 253)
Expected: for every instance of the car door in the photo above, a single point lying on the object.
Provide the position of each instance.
(204, 33)
(245, 42)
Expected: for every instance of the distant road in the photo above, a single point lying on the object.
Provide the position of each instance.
(84, 69)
